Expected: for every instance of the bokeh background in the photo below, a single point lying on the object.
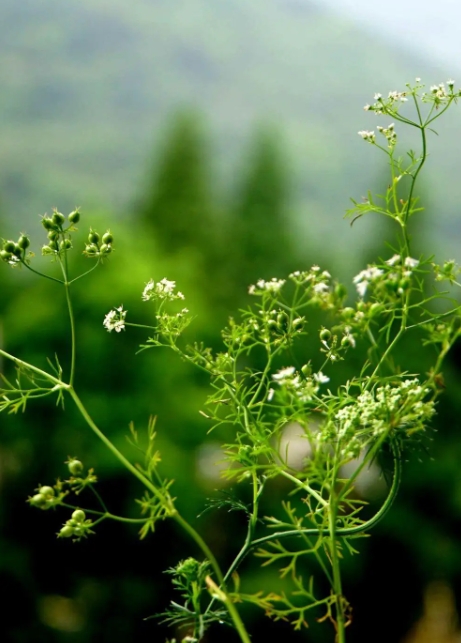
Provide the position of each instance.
(218, 141)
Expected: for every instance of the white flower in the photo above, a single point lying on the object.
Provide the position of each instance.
(411, 263)
(377, 96)
(147, 292)
(273, 286)
(321, 378)
(393, 260)
(115, 320)
(284, 374)
(367, 136)
(163, 289)
(320, 287)
(362, 280)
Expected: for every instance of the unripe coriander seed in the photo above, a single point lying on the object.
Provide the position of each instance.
(325, 334)
(5, 255)
(78, 515)
(105, 249)
(46, 491)
(48, 224)
(9, 246)
(65, 244)
(75, 467)
(39, 500)
(93, 237)
(74, 217)
(23, 242)
(66, 532)
(108, 237)
(58, 218)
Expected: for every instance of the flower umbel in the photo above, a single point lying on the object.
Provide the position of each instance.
(115, 319)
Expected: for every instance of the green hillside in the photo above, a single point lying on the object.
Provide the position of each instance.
(88, 87)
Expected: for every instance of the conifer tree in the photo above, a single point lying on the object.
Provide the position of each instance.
(263, 247)
(177, 207)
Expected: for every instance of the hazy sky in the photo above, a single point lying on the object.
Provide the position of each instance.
(424, 25)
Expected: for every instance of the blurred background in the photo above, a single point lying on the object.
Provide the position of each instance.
(218, 141)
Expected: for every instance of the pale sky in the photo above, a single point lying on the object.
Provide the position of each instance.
(427, 26)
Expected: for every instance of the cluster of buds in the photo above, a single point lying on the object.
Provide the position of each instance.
(13, 252)
(97, 247)
(56, 229)
(76, 527)
(45, 498)
(389, 134)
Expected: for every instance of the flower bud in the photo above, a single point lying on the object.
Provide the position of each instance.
(75, 467)
(39, 500)
(78, 515)
(65, 244)
(46, 491)
(93, 237)
(66, 532)
(74, 217)
(58, 218)
(23, 242)
(48, 224)
(108, 237)
(347, 313)
(9, 246)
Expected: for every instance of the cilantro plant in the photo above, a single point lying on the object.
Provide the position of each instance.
(257, 391)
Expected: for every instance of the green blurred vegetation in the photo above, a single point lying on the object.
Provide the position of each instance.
(102, 589)
(87, 87)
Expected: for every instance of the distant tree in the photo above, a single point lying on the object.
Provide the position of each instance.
(177, 206)
(263, 247)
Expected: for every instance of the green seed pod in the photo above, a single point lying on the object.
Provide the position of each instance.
(53, 235)
(39, 500)
(66, 532)
(376, 309)
(108, 237)
(53, 245)
(58, 218)
(65, 244)
(325, 334)
(9, 246)
(347, 313)
(91, 249)
(340, 291)
(23, 242)
(46, 491)
(6, 256)
(48, 224)
(78, 515)
(105, 249)
(17, 250)
(346, 342)
(75, 467)
(74, 217)
(93, 237)
(306, 370)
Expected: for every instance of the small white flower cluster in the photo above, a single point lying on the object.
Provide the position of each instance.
(363, 279)
(303, 389)
(273, 286)
(376, 276)
(381, 105)
(389, 408)
(367, 136)
(438, 94)
(115, 320)
(389, 134)
(164, 289)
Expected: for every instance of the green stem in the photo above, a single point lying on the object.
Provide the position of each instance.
(337, 584)
(171, 509)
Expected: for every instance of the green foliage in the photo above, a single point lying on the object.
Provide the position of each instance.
(382, 407)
